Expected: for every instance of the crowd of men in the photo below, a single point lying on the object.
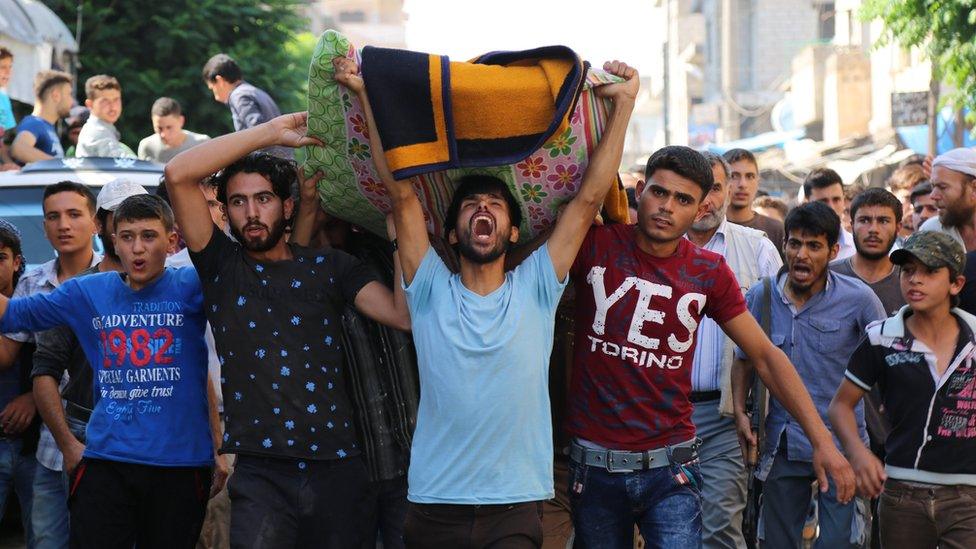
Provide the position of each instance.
(89, 130)
(597, 380)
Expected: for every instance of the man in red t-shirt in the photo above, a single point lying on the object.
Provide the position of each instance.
(641, 293)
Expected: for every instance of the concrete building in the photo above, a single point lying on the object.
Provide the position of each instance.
(364, 22)
(730, 62)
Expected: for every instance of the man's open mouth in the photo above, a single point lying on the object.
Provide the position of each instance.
(482, 227)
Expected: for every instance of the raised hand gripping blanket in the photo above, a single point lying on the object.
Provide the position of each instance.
(528, 118)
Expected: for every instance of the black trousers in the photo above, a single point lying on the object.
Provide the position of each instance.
(504, 526)
(118, 505)
(289, 503)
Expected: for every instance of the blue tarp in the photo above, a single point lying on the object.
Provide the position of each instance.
(916, 138)
(757, 143)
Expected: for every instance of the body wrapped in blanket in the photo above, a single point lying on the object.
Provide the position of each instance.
(528, 118)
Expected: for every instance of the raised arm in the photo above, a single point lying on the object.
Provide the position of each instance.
(408, 216)
(187, 169)
(38, 311)
(780, 377)
(601, 172)
(306, 220)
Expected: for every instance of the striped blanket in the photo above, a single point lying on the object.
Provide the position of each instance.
(542, 181)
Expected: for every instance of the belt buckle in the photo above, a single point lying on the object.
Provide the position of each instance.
(610, 464)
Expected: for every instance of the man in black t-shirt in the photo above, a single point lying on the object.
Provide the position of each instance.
(275, 311)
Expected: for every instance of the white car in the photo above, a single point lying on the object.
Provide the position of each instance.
(21, 193)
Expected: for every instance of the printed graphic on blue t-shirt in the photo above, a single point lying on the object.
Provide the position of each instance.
(7, 121)
(149, 359)
(46, 137)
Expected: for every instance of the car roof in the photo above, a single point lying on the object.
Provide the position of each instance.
(92, 171)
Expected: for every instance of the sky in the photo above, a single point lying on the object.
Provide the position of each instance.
(598, 30)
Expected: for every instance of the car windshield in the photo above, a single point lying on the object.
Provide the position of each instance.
(22, 207)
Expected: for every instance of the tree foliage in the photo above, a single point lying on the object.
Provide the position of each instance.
(945, 29)
(159, 48)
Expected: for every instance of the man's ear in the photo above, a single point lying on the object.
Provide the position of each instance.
(289, 207)
(174, 240)
(701, 211)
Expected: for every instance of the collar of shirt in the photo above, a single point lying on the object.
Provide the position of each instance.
(47, 274)
(783, 276)
(717, 242)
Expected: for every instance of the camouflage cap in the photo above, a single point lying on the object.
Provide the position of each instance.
(934, 249)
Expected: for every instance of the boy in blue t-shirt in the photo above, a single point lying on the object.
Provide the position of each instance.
(146, 470)
(7, 121)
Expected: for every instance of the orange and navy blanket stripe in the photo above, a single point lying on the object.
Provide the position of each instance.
(433, 114)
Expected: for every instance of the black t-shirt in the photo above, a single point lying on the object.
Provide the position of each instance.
(277, 329)
(933, 423)
(967, 297)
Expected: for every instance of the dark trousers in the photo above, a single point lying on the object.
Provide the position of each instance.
(504, 526)
(928, 515)
(389, 511)
(291, 503)
(118, 505)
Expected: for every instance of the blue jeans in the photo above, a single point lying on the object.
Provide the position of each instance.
(786, 498)
(606, 506)
(50, 517)
(50, 512)
(17, 472)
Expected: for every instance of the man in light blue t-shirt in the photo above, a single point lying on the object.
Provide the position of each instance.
(481, 461)
(146, 468)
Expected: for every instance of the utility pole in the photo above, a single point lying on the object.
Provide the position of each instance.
(933, 114)
(730, 119)
(667, 72)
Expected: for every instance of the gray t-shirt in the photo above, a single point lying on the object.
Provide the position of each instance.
(888, 289)
(152, 147)
(99, 138)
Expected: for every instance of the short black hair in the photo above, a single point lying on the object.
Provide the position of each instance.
(820, 178)
(735, 155)
(10, 239)
(70, 187)
(145, 206)
(224, 66)
(876, 196)
(814, 218)
(920, 189)
(473, 184)
(684, 161)
(282, 173)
